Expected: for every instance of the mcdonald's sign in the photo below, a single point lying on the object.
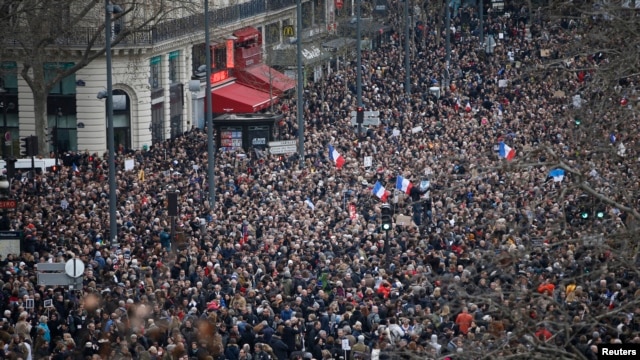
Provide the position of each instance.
(288, 31)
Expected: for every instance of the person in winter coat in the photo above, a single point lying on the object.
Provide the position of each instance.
(280, 349)
(434, 344)
(232, 351)
(44, 326)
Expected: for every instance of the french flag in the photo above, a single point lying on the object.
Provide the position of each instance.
(403, 184)
(380, 191)
(456, 106)
(74, 167)
(467, 107)
(335, 156)
(506, 151)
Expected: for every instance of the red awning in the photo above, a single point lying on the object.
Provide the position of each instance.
(264, 78)
(236, 98)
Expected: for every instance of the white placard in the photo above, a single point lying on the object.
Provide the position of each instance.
(129, 164)
(345, 345)
(416, 129)
(368, 161)
(502, 83)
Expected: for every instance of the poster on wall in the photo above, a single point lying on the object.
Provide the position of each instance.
(230, 138)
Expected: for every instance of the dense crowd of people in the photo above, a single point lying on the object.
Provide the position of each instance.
(290, 263)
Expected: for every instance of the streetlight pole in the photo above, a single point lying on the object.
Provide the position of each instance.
(447, 43)
(481, 13)
(300, 86)
(407, 66)
(113, 224)
(5, 107)
(55, 135)
(211, 160)
(359, 59)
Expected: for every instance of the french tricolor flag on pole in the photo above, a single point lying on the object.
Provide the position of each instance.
(506, 151)
(335, 156)
(403, 184)
(380, 191)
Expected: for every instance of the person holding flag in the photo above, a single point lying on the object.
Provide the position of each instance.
(403, 185)
(335, 156)
(379, 191)
(506, 152)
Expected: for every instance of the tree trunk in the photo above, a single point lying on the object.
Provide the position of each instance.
(40, 117)
(40, 94)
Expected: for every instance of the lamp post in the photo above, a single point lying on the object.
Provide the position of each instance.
(109, 10)
(407, 66)
(211, 160)
(55, 135)
(300, 86)
(359, 60)
(447, 15)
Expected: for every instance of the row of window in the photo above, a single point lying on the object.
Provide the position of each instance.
(155, 80)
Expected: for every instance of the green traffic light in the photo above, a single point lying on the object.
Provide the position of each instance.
(584, 215)
(600, 214)
(577, 121)
(386, 226)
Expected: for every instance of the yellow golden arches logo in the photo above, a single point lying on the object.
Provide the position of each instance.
(288, 30)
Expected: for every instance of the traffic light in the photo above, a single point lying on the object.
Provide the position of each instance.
(577, 120)
(55, 169)
(584, 213)
(385, 212)
(29, 146)
(601, 210)
(359, 115)
(25, 146)
(53, 136)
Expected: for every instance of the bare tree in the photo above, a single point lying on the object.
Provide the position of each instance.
(49, 31)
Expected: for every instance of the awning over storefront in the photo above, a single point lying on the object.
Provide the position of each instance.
(236, 98)
(311, 54)
(266, 79)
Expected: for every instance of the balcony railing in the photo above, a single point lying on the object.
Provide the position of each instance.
(172, 29)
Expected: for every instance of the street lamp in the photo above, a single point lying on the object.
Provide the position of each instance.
(208, 111)
(54, 136)
(300, 86)
(108, 94)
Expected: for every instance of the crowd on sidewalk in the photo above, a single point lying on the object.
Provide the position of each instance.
(282, 267)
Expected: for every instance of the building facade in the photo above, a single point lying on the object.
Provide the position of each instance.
(151, 75)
